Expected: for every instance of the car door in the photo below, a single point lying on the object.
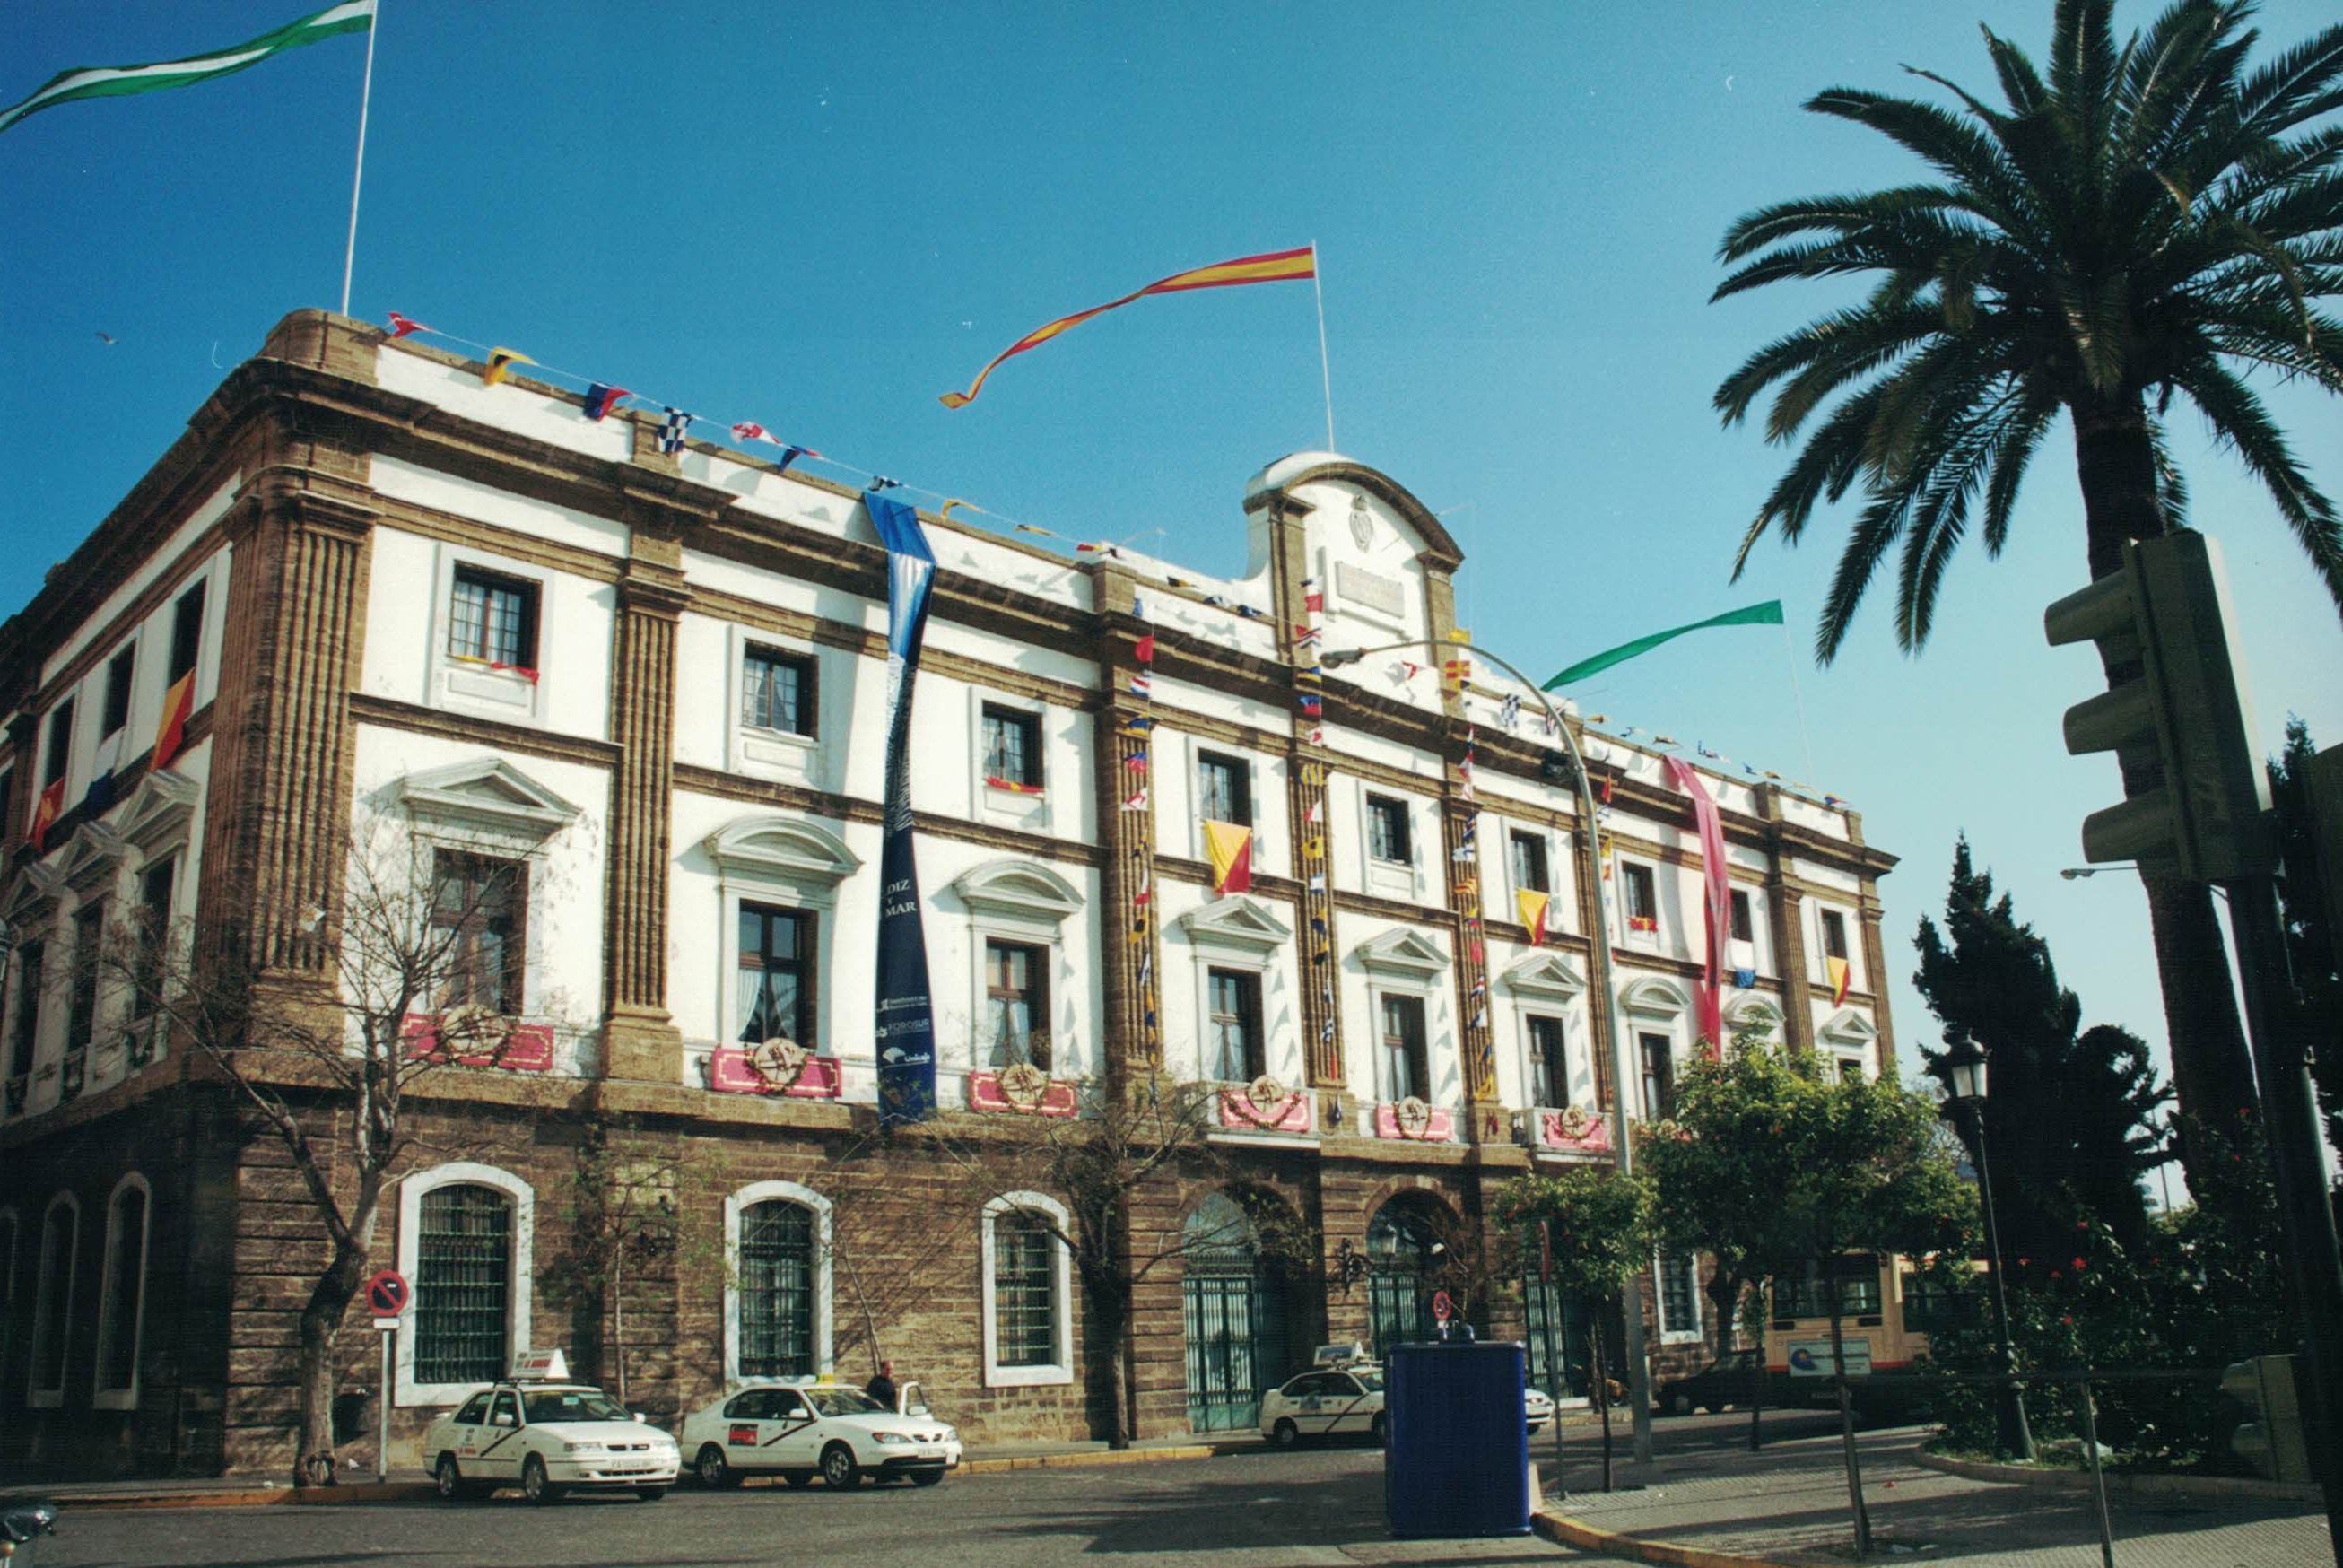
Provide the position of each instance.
(1306, 1403)
(464, 1428)
(1346, 1404)
(792, 1432)
(744, 1430)
(500, 1446)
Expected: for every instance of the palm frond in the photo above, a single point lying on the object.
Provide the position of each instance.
(2027, 428)
(2284, 93)
(2241, 422)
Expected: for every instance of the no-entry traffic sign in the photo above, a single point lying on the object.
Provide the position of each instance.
(386, 1293)
(1442, 1309)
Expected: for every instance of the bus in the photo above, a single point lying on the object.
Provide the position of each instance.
(1887, 1308)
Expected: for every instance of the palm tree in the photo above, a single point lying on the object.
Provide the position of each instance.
(2147, 222)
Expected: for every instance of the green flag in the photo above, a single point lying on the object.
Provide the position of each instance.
(1766, 614)
(115, 81)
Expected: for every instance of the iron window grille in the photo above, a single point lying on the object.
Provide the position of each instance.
(1024, 1290)
(1679, 1286)
(463, 1285)
(776, 1269)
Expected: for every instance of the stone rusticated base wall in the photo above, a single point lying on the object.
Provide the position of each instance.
(235, 1247)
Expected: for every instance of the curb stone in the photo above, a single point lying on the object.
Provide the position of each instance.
(1565, 1531)
(424, 1492)
(2120, 1480)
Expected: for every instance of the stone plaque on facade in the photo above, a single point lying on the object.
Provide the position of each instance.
(1368, 590)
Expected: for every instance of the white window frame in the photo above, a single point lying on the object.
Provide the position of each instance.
(1754, 950)
(1553, 864)
(1628, 935)
(1544, 984)
(127, 1397)
(1656, 1007)
(763, 753)
(43, 1307)
(1673, 1333)
(738, 1203)
(519, 1295)
(1821, 975)
(490, 693)
(1029, 813)
(1060, 1369)
(1392, 879)
(1252, 766)
(1403, 961)
(1850, 1038)
(1567, 1080)
(785, 862)
(1027, 903)
(1240, 932)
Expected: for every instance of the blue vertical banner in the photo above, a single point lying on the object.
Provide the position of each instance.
(905, 1037)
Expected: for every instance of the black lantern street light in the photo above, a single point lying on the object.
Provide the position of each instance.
(1964, 1072)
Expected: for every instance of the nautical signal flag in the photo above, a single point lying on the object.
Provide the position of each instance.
(401, 326)
(1143, 650)
(1231, 848)
(601, 399)
(671, 430)
(47, 809)
(749, 430)
(1533, 906)
(177, 703)
(1270, 267)
(1841, 975)
(501, 360)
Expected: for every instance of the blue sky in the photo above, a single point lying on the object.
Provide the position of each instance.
(822, 217)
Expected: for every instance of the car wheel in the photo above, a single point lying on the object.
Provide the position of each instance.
(449, 1479)
(925, 1477)
(839, 1468)
(1285, 1435)
(1679, 1404)
(650, 1494)
(534, 1485)
(797, 1478)
(714, 1474)
(1379, 1430)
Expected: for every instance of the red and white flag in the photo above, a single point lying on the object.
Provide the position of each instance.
(754, 432)
(400, 326)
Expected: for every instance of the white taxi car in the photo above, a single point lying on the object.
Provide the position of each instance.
(1350, 1399)
(548, 1439)
(796, 1429)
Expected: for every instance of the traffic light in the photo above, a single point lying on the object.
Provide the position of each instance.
(2272, 1441)
(2165, 618)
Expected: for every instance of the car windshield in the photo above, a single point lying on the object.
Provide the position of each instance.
(842, 1402)
(1372, 1382)
(572, 1404)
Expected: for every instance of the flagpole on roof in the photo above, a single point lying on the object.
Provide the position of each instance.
(1325, 374)
(357, 175)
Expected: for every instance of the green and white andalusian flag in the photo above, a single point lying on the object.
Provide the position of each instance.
(115, 81)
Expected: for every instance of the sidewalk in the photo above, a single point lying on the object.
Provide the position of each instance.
(407, 1485)
(1788, 1504)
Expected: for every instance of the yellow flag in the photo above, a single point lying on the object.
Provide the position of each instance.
(1231, 848)
(501, 360)
(1532, 908)
(1840, 975)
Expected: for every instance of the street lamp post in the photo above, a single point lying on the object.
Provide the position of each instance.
(1965, 1071)
(1631, 1298)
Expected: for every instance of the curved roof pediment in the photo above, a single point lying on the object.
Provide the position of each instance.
(783, 849)
(1295, 469)
(1649, 995)
(1019, 889)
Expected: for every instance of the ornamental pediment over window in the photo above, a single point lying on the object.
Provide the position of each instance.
(158, 814)
(1545, 974)
(1655, 998)
(487, 792)
(32, 897)
(784, 849)
(1237, 920)
(1018, 891)
(1401, 952)
(1847, 1029)
(92, 858)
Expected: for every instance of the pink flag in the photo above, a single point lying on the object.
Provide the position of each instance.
(1708, 1012)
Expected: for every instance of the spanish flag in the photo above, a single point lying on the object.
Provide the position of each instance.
(45, 810)
(1532, 912)
(1840, 975)
(177, 704)
(1271, 266)
(1231, 848)
(501, 360)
